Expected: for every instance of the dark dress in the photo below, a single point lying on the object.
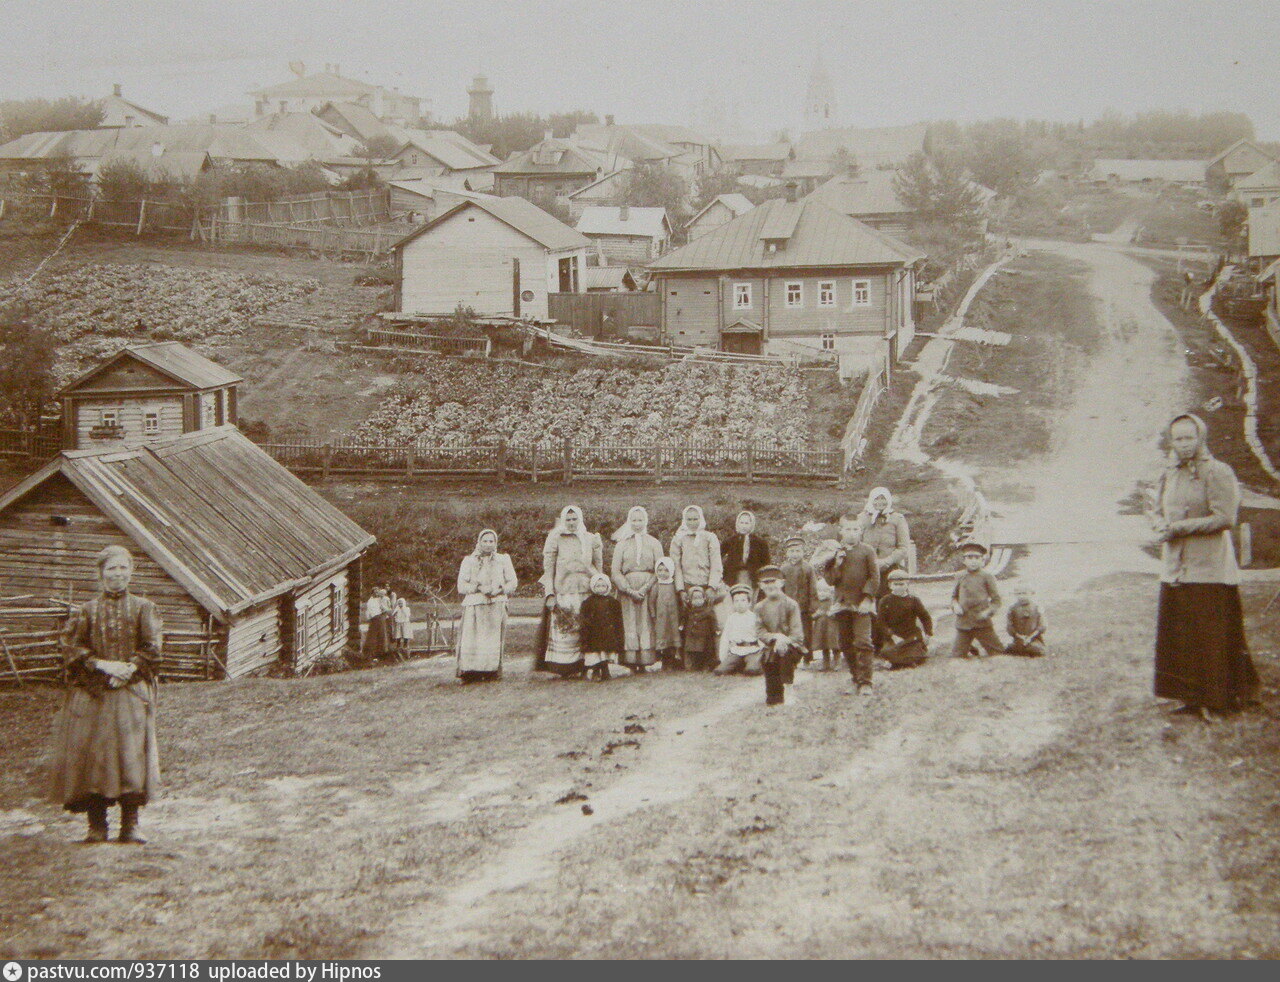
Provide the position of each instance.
(736, 568)
(601, 626)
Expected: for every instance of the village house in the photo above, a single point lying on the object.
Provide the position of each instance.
(1264, 232)
(553, 168)
(435, 152)
(498, 256)
(626, 235)
(424, 198)
(720, 210)
(250, 568)
(310, 92)
(764, 159)
(688, 153)
(1260, 188)
(872, 198)
(791, 275)
(608, 190)
(1238, 161)
(118, 112)
(608, 279)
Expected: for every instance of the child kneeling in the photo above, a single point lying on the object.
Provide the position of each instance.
(782, 632)
(741, 647)
(906, 622)
(1026, 626)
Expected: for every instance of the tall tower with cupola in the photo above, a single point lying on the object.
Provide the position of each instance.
(819, 98)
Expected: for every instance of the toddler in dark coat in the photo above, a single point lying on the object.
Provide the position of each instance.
(600, 626)
(699, 632)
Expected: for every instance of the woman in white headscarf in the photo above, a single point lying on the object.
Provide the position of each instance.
(885, 530)
(698, 561)
(485, 580)
(570, 558)
(635, 561)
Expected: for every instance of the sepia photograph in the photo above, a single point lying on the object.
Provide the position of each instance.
(583, 480)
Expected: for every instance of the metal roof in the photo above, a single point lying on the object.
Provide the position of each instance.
(220, 141)
(451, 149)
(173, 358)
(821, 237)
(295, 137)
(607, 220)
(116, 109)
(523, 216)
(737, 203)
(215, 511)
(316, 86)
(559, 157)
(607, 278)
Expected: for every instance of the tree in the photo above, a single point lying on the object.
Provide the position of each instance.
(655, 186)
(364, 179)
(516, 132)
(122, 180)
(21, 116)
(1002, 156)
(26, 366)
(939, 190)
(378, 147)
(1232, 216)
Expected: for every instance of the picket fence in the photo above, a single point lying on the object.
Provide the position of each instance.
(565, 461)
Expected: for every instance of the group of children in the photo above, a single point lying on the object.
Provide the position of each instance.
(807, 609)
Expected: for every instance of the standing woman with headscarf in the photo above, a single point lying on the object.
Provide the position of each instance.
(485, 579)
(105, 737)
(744, 553)
(570, 558)
(885, 530)
(634, 567)
(1202, 657)
(695, 553)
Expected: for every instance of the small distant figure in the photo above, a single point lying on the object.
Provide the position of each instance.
(975, 601)
(665, 604)
(401, 627)
(1188, 290)
(907, 624)
(825, 632)
(782, 632)
(378, 637)
(1026, 625)
(600, 623)
(797, 583)
(741, 649)
(699, 632)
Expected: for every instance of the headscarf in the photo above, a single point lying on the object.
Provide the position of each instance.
(701, 525)
(667, 564)
(483, 532)
(601, 578)
(871, 509)
(751, 515)
(1192, 464)
(582, 535)
(627, 532)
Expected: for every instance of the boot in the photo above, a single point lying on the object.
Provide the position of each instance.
(129, 826)
(98, 830)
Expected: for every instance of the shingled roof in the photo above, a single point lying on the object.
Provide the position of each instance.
(213, 510)
(805, 233)
(523, 216)
(171, 358)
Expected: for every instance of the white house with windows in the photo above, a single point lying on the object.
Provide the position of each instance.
(498, 256)
(787, 275)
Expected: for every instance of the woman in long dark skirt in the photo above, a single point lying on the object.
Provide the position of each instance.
(1202, 657)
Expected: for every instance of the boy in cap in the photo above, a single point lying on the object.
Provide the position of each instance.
(798, 581)
(782, 630)
(741, 649)
(906, 622)
(975, 601)
(1026, 626)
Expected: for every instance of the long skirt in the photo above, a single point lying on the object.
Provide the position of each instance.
(480, 641)
(1202, 658)
(637, 631)
(104, 748)
(378, 638)
(561, 645)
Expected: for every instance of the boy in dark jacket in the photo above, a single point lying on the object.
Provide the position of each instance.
(782, 630)
(798, 582)
(854, 575)
(975, 601)
(1026, 626)
(907, 623)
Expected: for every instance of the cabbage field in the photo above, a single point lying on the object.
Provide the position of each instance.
(461, 402)
(94, 310)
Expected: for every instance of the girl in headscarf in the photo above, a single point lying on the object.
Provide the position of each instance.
(635, 561)
(570, 557)
(1202, 657)
(744, 553)
(485, 579)
(664, 608)
(105, 737)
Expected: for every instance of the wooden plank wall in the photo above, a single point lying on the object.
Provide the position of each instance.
(316, 608)
(585, 312)
(253, 640)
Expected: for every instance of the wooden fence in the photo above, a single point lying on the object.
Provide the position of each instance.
(606, 316)
(340, 208)
(142, 215)
(566, 461)
(30, 444)
(445, 344)
(367, 243)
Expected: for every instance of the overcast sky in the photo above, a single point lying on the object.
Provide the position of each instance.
(655, 60)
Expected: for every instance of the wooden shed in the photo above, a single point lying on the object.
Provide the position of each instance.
(145, 392)
(232, 547)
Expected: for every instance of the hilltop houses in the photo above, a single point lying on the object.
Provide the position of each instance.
(626, 236)
(721, 209)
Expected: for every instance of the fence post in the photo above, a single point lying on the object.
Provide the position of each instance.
(502, 461)
(567, 477)
(751, 463)
(409, 461)
(657, 464)
(142, 216)
(328, 460)
(534, 464)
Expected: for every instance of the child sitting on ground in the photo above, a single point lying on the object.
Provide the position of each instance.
(825, 636)
(906, 622)
(665, 604)
(1026, 626)
(782, 631)
(699, 631)
(741, 649)
(600, 627)
(975, 601)
(798, 579)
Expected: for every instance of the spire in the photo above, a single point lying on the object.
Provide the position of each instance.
(819, 98)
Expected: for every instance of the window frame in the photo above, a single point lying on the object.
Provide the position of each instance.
(109, 417)
(863, 287)
(827, 287)
(742, 296)
(828, 341)
(150, 422)
(798, 286)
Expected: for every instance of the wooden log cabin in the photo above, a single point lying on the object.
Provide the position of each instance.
(249, 566)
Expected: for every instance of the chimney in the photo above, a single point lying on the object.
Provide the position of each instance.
(608, 120)
(116, 87)
(546, 134)
(624, 213)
